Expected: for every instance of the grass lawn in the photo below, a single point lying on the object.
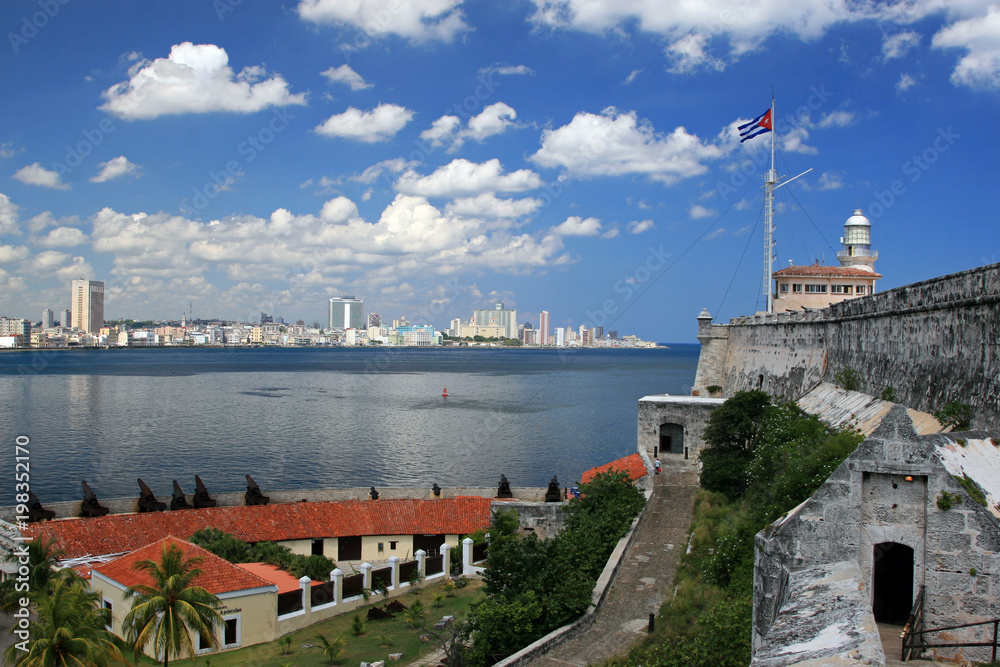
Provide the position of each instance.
(369, 647)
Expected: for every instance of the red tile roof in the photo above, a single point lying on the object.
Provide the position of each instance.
(118, 533)
(829, 271)
(218, 575)
(275, 575)
(632, 464)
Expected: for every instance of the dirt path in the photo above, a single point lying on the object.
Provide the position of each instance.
(645, 579)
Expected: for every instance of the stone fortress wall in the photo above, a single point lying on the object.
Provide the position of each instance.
(933, 342)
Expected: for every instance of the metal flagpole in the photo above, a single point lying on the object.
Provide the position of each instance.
(770, 185)
(770, 179)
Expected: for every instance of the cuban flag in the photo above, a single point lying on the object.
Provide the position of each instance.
(758, 125)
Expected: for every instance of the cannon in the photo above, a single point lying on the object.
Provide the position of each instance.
(35, 510)
(147, 500)
(201, 497)
(553, 495)
(90, 507)
(503, 489)
(436, 490)
(178, 502)
(253, 496)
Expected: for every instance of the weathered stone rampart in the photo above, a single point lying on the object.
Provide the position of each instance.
(933, 342)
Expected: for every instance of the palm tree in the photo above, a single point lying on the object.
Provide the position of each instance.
(42, 556)
(167, 611)
(70, 630)
(332, 649)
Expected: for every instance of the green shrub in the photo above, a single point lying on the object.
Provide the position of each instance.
(888, 394)
(848, 379)
(945, 500)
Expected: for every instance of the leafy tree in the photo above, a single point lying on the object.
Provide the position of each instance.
(957, 415)
(316, 566)
(733, 432)
(42, 557)
(69, 628)
(164, 614)
(502, 627)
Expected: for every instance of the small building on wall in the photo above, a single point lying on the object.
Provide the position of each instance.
(906, 520)
(674, 424)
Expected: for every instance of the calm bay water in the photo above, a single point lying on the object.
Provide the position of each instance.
(305, 418)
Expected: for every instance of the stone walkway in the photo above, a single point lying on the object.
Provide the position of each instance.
(645, 579)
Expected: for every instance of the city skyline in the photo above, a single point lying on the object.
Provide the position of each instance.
(441, 157)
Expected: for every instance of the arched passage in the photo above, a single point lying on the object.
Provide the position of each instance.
(671, 438)
(892, 582)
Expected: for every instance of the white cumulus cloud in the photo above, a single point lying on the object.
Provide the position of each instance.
(615, 143)
(980, 37)
(574, 225)
(115, 168)
(488, 205)
(36, 174)
(699, 211)
(344, 74)
(640, 226)
(899, 44)
(447, 130)
(8, 215)
(62, 237)
(462, 178)
(379, 124)
(195, 78)
(417, 20)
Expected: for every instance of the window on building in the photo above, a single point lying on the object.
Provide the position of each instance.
(797, 288)
(231, 634)
(861, 289)
(815, 289)
(392, 545)
(317, 547)
(784, 288)
(381, 547)
(203, 643)
(840, 289)
(106, 603)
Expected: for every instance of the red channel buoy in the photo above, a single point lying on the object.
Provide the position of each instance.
(444, 394)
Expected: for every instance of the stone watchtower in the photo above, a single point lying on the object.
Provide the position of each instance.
(714, 341)
(857, 242)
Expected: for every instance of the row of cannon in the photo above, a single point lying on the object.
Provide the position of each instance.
(91, 506)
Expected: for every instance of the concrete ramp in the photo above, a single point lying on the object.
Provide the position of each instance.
(838, 408)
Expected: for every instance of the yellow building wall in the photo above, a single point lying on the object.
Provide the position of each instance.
(370, 552)
(257, 614)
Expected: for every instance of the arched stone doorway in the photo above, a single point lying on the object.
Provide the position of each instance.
(671, 438)
(892, 582)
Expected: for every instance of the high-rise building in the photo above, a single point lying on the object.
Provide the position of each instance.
(560, 337)
(347, 312)
(88, 305)
(543, 328)
(499, 316)
(65, 320)
(598, 333)
(374, 320)
(48, 318)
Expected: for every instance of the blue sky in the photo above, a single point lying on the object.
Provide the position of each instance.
(434, 156)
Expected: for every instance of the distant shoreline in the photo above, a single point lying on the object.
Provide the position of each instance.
(328, 347)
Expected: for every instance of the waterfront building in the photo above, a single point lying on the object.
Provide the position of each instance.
(503, 318)
(347, 312)
(598, 333)
(65, 320)
(14, 332)
(420, 335)
(560, 337)
(48, 319)
(87, 301)
(543, 328)
(374, 320)
(818, 286)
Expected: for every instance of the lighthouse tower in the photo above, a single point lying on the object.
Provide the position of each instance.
(857, 242)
